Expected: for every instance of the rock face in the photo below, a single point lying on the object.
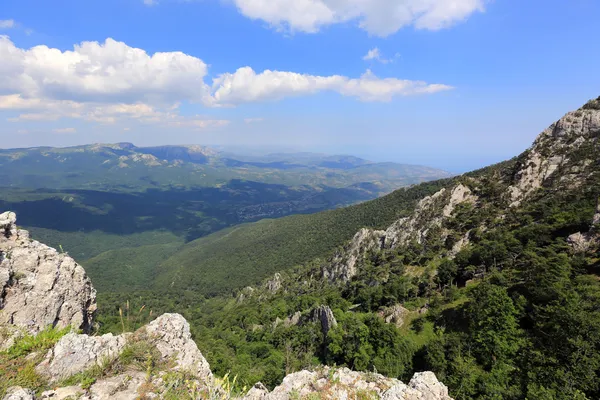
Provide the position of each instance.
(39, 286)
(343, 265)
(427, 218)
(329, 383)
(551, 150)
(324, 316)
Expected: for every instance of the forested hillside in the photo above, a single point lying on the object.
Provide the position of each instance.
(124, 210)
(490, 279)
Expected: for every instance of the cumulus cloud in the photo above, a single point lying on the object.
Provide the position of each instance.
(64, 130)
(106, 82)
(377, 17)
(245, 85)
(7, 23)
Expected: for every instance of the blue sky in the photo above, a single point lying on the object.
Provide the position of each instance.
(452, 84)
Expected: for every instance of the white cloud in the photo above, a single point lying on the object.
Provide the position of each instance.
(253, 120)
(150, 2)
(377, 17)
(110, 81)
(245, 85)
(64, 130)
(7, 23)
(375, 54)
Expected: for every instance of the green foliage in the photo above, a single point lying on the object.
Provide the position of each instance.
(18, 362)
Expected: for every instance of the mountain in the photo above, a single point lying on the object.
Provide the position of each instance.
(490, 279)
(123, 209)
(125, 167)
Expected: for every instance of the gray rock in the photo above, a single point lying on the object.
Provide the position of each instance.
(395, 314)
(76, 353)
(430, 388)
(561, 138)
(325, 317)
(39, 287)
(18, 393)
(343, 265)
(171, 335)
(328, 383)
(274, 285)
(258, 392)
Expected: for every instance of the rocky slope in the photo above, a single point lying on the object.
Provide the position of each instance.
(44, 288)
(563, 157)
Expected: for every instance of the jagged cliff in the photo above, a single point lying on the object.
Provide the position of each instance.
(43, 288)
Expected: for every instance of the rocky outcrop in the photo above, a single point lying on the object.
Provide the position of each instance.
(587, 241)
(329, 383)
(324, 316)
(395, 314)
(273, 285)
(343, 264)
(40, 287)
(170, 333)
(550, 152)
(428, 216)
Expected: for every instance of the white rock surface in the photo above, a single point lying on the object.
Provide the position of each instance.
(76, 353)
(171, 335)
(18, 393)
(343, 383)
(39, 286)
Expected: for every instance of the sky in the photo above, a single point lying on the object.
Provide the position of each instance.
(453, 84)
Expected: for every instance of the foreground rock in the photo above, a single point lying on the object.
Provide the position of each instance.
(329, 383)
(39, 287)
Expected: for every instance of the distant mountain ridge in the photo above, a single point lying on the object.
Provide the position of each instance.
(124, 166)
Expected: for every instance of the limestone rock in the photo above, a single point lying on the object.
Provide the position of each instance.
(427, 384)
(171, 335)
(18, 393)
(76, 353)
(324, 316)
(395, 314)
(328, 383)
(343, 265)
(460, 194)
(258, 392)
(274, 284)
(550, 152)
(40, 287)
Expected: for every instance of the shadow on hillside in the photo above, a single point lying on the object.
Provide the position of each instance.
(189, 213)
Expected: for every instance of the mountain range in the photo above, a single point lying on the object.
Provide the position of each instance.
(489, 279)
